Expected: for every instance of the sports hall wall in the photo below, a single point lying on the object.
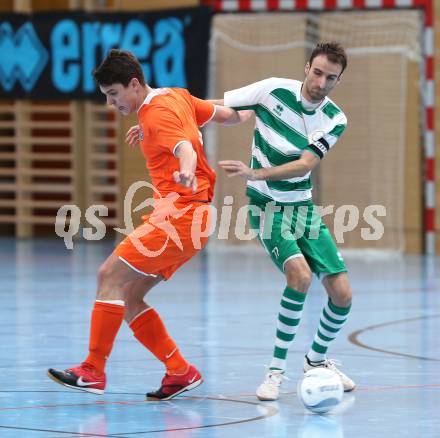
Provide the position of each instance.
(367, 166)
(54, 153)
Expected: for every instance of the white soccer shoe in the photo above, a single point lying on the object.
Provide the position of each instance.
(330, 364)
(269, 390)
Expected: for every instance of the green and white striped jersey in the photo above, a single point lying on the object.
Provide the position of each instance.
(283, 130)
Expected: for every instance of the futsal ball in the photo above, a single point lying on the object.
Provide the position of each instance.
(320, 390)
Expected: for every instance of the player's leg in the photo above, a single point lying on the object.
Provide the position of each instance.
(148, 327)
(281, 246)
(338, 289)
(333, 317)
(135, 292)
(145, 322)
(106, 319)
(326, 261)
(298, 279)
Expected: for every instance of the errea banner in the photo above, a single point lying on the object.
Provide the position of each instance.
(52, 56)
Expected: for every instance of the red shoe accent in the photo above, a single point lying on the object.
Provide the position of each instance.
(173, 384)
(83, 377)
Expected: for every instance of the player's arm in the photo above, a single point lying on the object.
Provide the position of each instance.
(214, 111)
(222, 114)
(187, 156)
(294, 169)
(238, 105)
(229, 116)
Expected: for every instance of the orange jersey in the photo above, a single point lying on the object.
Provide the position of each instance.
(167, 117)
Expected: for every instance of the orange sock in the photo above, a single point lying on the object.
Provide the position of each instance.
(106, 321)
(150, 331)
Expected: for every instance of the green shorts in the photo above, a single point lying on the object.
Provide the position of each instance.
(287, 232)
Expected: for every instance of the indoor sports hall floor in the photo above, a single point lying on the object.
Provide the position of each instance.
(221, 308)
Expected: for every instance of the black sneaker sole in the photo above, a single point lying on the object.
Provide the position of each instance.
(53, 375)
(350, 389)
(193, 385)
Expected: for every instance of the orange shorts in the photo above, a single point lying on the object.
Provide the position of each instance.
(167, 239)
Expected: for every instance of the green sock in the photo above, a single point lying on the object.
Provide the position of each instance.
(331, 321)
(289, 315)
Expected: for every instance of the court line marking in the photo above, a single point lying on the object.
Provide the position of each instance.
(353, 337)
(270, 411)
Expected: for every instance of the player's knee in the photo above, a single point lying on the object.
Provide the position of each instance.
(339, 290)
(107, 272)
(298, 277)
(344, 297)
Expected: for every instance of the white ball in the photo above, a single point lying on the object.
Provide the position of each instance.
(320, 390)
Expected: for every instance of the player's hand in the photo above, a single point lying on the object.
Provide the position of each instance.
(237, 168)
(186, 179)
(132, 136)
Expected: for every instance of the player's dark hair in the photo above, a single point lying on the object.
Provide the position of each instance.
(334, 52)
(119, 67)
